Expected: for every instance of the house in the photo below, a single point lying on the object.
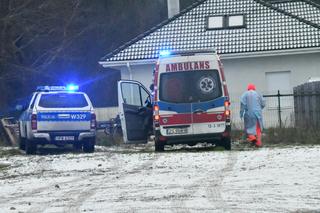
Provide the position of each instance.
(275, 45)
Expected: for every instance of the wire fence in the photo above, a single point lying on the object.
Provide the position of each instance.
(278, 112)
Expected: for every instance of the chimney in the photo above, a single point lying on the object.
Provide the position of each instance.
(173, 7)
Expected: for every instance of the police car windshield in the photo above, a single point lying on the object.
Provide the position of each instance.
(63, 100)
(190, 86)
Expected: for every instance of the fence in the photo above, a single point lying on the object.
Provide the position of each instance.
(278, 112)
(298, 109)
(307, 105)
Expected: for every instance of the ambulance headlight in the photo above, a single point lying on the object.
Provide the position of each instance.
(72, 87)
(164, 53)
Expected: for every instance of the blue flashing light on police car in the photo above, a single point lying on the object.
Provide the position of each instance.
(72, 87)
(69, 88)
(164, 53)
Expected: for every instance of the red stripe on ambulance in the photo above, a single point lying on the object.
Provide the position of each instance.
(175, 119)
(207, 118)
(182, 119)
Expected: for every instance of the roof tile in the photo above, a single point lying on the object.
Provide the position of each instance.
(278, 26)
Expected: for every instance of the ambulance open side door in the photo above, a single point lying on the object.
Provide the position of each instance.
(135, 111)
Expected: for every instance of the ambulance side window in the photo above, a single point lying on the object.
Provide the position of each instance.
(131, 94)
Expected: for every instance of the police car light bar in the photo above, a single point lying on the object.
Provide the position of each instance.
(70, 87)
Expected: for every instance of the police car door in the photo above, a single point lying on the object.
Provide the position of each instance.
(135, 111)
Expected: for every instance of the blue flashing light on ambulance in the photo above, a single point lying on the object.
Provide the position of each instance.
(190, 102)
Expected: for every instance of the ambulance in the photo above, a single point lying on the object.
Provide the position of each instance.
(190, 102)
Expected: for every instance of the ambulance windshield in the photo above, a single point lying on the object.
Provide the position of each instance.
(189, 86)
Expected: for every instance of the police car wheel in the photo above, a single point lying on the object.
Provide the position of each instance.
(88, 146)
(31, 147)
(22, 142)
(159, 146)
(77, 146)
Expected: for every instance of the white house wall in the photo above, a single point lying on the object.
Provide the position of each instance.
(240, 72)
(141, 73)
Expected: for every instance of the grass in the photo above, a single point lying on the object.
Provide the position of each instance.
(103, 140)
(10, 152)
(283, 136)
(292, 135)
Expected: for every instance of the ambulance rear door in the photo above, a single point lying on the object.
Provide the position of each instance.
(135, 111)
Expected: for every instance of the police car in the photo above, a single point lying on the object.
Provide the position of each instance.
(57, 115)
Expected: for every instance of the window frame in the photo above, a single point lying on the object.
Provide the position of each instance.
(244, 25)
(225, 22)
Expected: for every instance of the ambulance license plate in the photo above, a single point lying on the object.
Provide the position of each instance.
(64, 138)
(177, 131)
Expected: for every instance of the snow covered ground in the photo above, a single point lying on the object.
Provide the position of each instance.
(126, 179)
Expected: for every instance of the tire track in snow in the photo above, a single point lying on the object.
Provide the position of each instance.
(215, 180)
(74, 206)
(215, 184)
(59, 194)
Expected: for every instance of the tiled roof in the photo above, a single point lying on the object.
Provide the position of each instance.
(269, 27)
(307, 10)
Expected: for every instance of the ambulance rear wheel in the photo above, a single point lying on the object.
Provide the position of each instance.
(158, 146)
(31, 147)
(226, 143)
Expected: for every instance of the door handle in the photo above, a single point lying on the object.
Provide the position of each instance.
(198, 111)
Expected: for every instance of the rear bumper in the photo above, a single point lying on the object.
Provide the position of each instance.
(50, 136)
(196, 138)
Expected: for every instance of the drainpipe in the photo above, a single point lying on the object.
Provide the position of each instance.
(173, 7)
(130, 78)
(129, 70)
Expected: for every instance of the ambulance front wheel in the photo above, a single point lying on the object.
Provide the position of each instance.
(158, 145)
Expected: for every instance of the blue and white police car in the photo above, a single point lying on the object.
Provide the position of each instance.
(57, 115)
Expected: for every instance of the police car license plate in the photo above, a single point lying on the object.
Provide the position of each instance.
(177, 131)
(64, 138)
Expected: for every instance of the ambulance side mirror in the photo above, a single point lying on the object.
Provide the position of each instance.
(151, 87)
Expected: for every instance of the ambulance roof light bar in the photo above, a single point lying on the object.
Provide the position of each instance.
(165, 53)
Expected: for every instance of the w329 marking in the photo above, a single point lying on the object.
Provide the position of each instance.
(78, 116)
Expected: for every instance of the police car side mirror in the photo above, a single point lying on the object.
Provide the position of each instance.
(19, 107)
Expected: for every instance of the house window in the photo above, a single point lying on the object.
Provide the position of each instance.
(225, 22)
(236, 21)
(216, 22)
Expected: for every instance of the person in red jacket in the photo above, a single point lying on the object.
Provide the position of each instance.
(251, 107)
